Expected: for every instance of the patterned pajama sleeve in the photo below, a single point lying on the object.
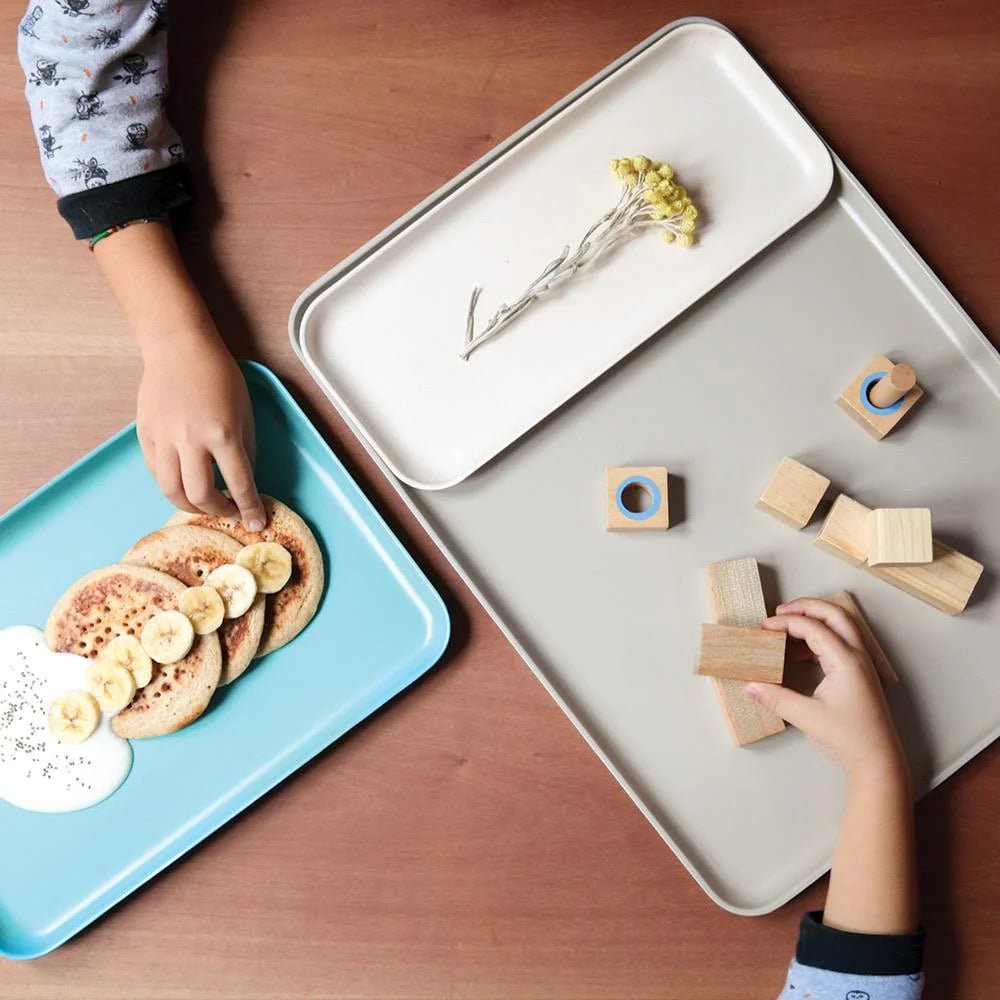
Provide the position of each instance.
(96, 84)
(838, 965)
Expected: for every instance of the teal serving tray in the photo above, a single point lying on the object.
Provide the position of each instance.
(380, 625)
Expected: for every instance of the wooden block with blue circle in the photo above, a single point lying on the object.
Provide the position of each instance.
(637, 498)
(880, 396)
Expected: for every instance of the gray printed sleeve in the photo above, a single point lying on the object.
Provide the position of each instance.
(96, 83)
(839, 965)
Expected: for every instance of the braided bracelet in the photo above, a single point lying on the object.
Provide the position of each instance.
(94, 240)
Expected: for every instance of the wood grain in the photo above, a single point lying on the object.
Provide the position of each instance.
(899, 535)
(793, 493)
(742, 654)
(465, 842)
(737, 599)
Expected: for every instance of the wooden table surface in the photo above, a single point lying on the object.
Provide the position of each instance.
(465, 842)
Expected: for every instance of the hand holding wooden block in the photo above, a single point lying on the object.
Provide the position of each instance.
(898, 535)
(744, 654)
(737, 599)
(793, 494)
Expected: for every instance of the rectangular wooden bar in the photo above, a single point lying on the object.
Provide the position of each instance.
(737, 599)
(743, 654)
(946, 583)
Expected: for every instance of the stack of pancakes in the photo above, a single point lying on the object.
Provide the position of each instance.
(120, 599)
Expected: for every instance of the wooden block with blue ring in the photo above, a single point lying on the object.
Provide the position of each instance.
(637, 498)
(881, 395)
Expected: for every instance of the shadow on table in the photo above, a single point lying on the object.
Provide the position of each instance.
(197, 36)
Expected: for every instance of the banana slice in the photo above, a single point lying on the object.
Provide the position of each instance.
(113, 686)
(74, 716)
(236, 586)
(167, 637)
(204, 607)
(270, 563)
(126, 651)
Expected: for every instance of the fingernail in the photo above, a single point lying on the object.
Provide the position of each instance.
(751, 692)
(255, 524)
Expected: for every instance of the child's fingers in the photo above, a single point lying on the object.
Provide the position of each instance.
(148, 448)
(798, 652)
(234, 464)
(830, 614)
(829, 648)
(199, 485)
(168, 478)
(798, 709)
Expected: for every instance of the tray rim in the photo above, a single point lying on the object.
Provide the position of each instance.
(467, 177)
(305, 298)
(438, 639)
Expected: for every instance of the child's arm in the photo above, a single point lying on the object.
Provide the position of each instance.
(193, 406)
(96, 84)
(866, 942)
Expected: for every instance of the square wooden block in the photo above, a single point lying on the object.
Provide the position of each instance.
(743, 654)
(626, 484)
(900, 535)
(794, 493)
(854, 401)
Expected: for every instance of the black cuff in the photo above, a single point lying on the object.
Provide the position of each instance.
(858, 954)
(141, 197)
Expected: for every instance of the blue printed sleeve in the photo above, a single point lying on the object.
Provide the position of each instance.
(96, 83)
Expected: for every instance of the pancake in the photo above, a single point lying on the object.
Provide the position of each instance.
(292, 608)
(190, 553)
(119, 600)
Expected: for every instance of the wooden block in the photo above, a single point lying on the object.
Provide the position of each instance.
(737, 599)
(744, 654)
(845, 531)
(794, 493)
(945, 583)
(623, 483)
(898, 535)
(879, 376)
(883, 667)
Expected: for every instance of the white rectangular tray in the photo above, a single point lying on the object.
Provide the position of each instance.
(609, 622)
(385, 339)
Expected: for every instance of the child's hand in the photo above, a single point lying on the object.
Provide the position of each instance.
(193, 408)
(847, 715)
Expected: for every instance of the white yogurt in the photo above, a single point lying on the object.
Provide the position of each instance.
(37, 772)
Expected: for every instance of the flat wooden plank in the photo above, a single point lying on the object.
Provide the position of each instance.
(743, 654)
(737, 599)
(946, 583)
(844, 599)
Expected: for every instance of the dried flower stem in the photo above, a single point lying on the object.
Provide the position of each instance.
(636, 208)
